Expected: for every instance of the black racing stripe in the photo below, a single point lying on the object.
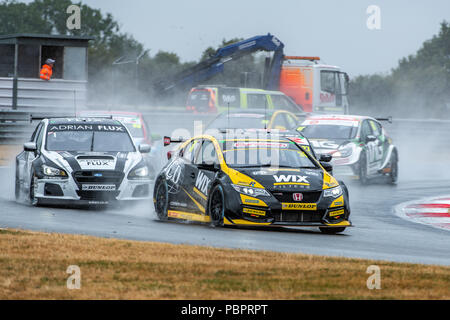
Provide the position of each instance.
(73, 163)
(121, 159)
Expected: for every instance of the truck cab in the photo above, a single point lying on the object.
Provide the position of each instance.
(316, 87)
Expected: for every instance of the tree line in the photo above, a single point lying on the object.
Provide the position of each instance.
(418, 86)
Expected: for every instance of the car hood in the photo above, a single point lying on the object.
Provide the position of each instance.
(286, 179)
(84, 160)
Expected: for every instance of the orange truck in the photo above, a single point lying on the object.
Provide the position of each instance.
(316, 87)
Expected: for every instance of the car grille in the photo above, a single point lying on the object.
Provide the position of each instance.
(308, 197)
(98, 177)
(298, 216)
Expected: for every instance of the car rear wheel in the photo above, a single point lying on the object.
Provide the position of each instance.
(162, 200)
(216, 206)
(17, 185)
(393, 175)
(363, 171)
(332, 230)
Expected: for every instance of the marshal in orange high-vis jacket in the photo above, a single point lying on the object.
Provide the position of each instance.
(47, 70)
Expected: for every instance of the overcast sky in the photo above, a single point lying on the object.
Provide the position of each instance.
(334, 30)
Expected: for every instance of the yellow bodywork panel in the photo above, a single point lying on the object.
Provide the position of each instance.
(339, 202)
(252, 201)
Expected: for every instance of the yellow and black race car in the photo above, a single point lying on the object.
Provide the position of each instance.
(242, 179)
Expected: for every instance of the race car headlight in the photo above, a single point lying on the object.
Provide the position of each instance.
(333, 192)
(139, 173)
(344, 151)
(250, 191)
(53, 172)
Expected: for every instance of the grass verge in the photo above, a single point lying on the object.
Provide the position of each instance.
(33, 266)
(8, 153)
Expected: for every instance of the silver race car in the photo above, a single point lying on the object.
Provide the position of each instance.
(82, 160)
(359, 146)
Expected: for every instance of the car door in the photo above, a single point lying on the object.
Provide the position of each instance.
(382, 144)
(190, 176)
(29, 156)
(205, 160)
(371, 147)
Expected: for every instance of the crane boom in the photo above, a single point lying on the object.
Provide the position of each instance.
(205, 70)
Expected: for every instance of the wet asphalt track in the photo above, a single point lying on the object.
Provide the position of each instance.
(378, 232)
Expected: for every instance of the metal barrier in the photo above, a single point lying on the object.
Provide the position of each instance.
(35, 94)
(15, 127)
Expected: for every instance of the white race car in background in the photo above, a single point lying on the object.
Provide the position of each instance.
(86, 160)
(359, 145)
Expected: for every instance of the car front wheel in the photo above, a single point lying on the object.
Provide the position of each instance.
(17, 185)
(363, 170)
(33, 188)
(162, 200)
(216, 206)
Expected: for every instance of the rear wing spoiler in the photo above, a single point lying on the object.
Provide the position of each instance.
(42, 117)
(388, 119)
(168, 140)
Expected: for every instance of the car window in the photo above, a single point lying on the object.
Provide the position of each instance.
(188, 151)
(199, 98)
(365, 129)
(207, 153)
(36, 132)
(39, 138)
(96, 141)
(256, 101)
(376, 128)
(280, 121)
(282, 102)
(290, 120)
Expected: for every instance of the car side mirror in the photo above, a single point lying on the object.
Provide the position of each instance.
(328, 167)
(30, 146)
(325, 158)
(370, 138)
(144, 148)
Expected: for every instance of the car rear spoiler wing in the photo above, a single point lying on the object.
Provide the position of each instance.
(42, 117)
(388, 119)
(168, 140)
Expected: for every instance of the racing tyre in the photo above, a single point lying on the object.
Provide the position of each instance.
(216, 206)
(363, 171)
(162, 200)
(331, 230)
(393, 175)
(33, 186)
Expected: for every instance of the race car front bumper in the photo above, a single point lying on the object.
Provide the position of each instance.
(321, 212)
(56, 190)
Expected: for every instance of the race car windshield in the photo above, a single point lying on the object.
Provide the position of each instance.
(329, 132)
(199, 98)
(136, 130)
(263, 154)
(89, 141)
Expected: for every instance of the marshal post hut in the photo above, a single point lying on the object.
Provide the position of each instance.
(21, 59)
